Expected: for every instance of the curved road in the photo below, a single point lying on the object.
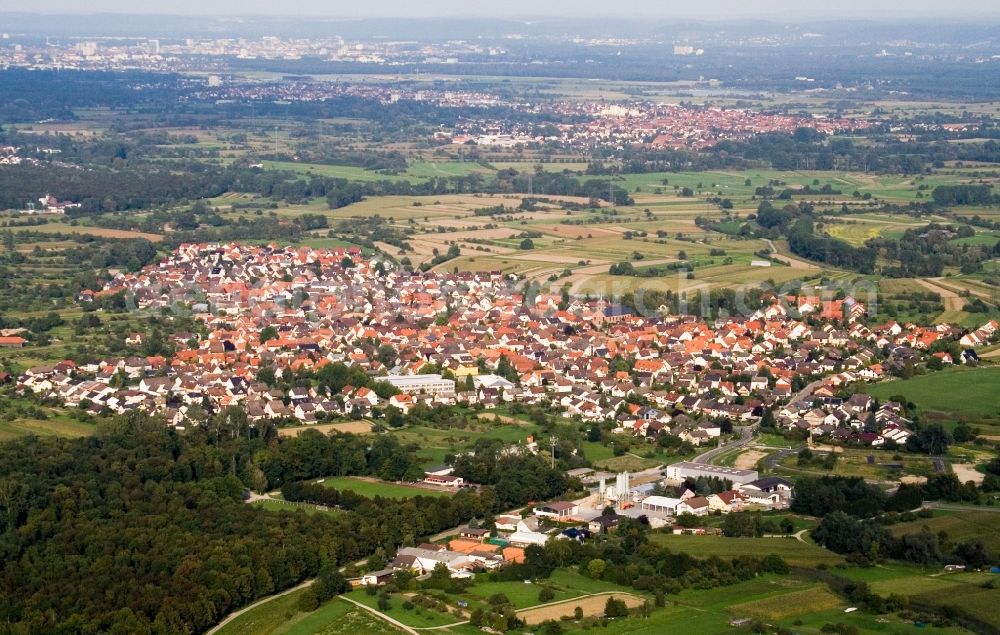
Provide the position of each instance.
(747, 432)
(705, 458)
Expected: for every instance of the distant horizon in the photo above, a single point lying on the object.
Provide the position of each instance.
(516, 10)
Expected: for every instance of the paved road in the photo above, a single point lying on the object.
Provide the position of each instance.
(747, 432)
(746, 435)
(807, 390)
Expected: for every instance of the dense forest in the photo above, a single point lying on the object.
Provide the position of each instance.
(139, 529)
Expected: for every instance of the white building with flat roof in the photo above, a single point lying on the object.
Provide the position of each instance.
(422, 384)
(660, 504)
(686, 469)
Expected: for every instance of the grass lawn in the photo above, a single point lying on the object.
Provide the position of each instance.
(967, 394)
(372, 489)
(794, 552)
(55, 426)
(291, 508)
(597, 451)
(434, 444)
(627, 463)
(854, 462)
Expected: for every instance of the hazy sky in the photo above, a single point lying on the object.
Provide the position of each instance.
(959, 10)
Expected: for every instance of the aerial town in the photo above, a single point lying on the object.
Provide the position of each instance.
(396, 318)
(292, 308)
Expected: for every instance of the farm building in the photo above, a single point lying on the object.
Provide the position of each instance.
(12, 342)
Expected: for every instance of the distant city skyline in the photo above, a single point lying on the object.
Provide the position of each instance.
(638, 9)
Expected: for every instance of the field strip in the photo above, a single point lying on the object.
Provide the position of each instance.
(949, 287)
(950, 299)
(592, 604)
(352, 427)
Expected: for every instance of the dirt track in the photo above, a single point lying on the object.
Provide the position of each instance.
(951, 300)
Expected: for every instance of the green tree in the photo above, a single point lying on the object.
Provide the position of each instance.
(615, 608)
(308, 601)
(596, 567)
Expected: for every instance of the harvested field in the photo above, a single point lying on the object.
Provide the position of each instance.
(352, 427)
(592, 605)
(103, 232)
(553, 258)
(953, 304)
(748, 460)
(967, 472)
(480, 234)
(575, 231)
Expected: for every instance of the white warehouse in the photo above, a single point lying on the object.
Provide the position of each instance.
(686, 469)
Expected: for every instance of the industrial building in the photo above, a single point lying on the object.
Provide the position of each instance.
(686, 469)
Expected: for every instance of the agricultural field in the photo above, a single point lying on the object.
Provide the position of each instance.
(799, 605)
(932, 587)
(959, 526)
(795, 603)
(795, 552)
(349, 427)
(59, 227)
(959, 394)
(592, 606)
(281, 616)
(584, 244)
